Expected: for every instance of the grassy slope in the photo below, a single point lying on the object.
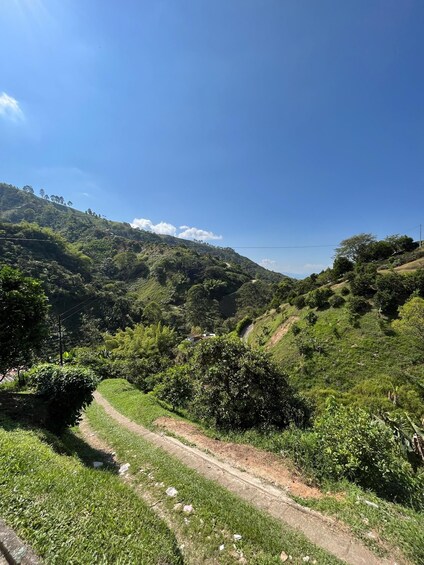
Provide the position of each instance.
(393, 524)
(366, 361)
(73, 514)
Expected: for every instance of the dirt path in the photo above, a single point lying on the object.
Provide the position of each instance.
(263, 464)
(282, 330)
(190, 552)
(320, 530)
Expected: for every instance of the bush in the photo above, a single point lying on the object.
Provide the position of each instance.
(174, 386)
(299, 301)
(318, 298)
(67, 391)
(236, 387)
(311, 318)
(345, 291)
(336, 301)
(348, 443)
(357, 305)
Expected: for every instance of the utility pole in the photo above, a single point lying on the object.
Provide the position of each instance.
(60, 341)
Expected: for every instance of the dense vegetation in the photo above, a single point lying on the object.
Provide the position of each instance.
(125, 275)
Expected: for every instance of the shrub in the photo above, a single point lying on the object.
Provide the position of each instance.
(174, 386)
(318, 298)
(357, 305)
(311, 318)
(345, 291)
(362, 284)
(236, 387)
(66, 390)
(299, 301)
(348, 443)
(296, 329)
(336, 301)
(363, 449)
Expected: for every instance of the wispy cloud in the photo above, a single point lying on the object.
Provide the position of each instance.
(164, 228)
(268, 263)
(10, 109)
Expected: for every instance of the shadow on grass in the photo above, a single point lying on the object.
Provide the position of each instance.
(87, 454)
(27, 411)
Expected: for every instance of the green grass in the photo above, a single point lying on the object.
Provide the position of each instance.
(350, 356)
(218, 514)
(395, 525)
(127, 399)
(73, 514)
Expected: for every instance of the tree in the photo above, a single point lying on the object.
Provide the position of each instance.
(28, 188)
(354, 247)
(23, 319)
(411, 319)
(236, 387)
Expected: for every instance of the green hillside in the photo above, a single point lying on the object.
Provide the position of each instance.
(334, 334)
(124, 275)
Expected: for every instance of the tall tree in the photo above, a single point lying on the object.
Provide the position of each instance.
(23, 319)
(355, 247)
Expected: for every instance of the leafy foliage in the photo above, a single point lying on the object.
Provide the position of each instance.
(67, 391)
(411, 319)
(138, 353)
(238, 387)
(23, 319)
(175, 386)
(348, 443)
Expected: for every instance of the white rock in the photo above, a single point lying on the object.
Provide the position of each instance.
(124, 468)
(372, 504)
(237, 537)
(171, 491)
(306, 559)
(221, 547)
(188, 509)
(97, 464)
(283, 556)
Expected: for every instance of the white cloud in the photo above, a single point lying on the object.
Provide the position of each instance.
(10, 109)
(164, 228)
(195, 233)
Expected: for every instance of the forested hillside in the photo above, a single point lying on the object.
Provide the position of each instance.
(123, 275)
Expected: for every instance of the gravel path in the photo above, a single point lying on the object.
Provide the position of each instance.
(320, 530)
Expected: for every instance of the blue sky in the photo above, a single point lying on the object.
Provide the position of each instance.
(266, 123)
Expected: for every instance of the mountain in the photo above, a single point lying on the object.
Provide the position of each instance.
(109, 275)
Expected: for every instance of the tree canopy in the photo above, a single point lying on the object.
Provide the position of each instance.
(23, 319)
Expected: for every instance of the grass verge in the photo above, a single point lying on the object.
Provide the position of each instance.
(72, 514)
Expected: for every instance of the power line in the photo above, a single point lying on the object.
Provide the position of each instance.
(23, 239)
